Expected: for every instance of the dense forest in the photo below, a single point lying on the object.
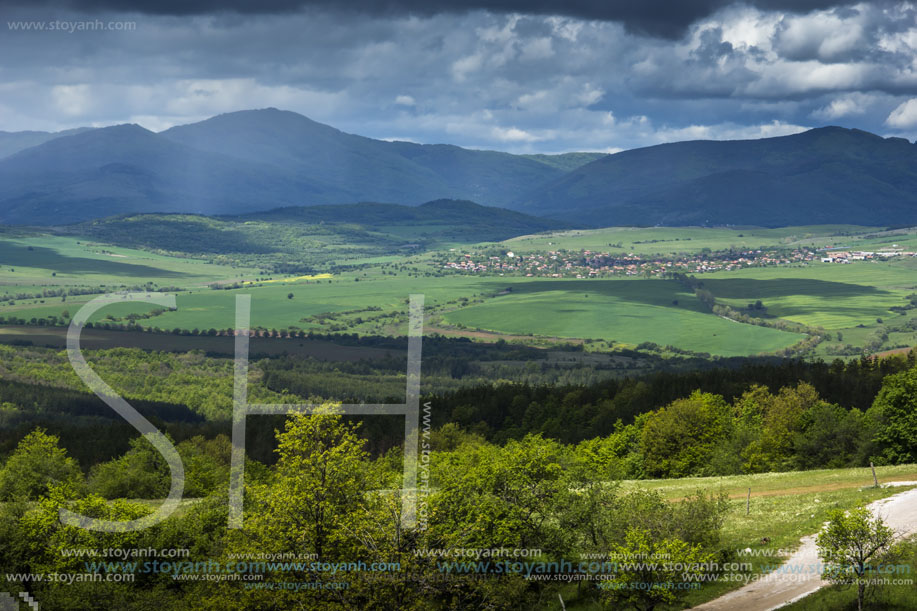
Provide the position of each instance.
(190, 394)
(508, 465)
(324, 517)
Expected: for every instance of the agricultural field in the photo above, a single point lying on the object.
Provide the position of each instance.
(626, 311)
(671, 240)
(29, 262)
(820, 294)
(851, 303)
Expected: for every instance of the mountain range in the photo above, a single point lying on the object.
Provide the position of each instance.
(248, 161)
(824, 175)
(257, 160)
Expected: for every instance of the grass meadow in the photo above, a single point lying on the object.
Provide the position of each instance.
(29, 262)
(829, 295)
(624, 311)
(670, 240)
(784, 507)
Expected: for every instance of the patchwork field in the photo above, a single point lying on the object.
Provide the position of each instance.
(820, 294)
(370, 297)
(669, 240)
(29, 262)
(625, 311)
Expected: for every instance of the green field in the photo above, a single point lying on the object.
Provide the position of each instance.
(784, 508)
(820, 294)
(370, 296)
(28, 262)
(625, 311)
(670, 240)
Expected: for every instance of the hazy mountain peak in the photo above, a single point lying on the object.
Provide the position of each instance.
(254, 160)
(271, 119)
(13, 142)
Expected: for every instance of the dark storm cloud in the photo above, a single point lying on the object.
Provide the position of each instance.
(662, 18)
(477, 78)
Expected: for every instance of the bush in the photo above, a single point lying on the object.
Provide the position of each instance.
(36, 464)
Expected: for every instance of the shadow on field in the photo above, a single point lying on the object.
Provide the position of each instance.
(13, 255)
(100, 339)
(653, 291)
(748, 288)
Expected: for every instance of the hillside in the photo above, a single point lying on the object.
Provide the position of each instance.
(826, 175)
(258, 160)
(125, 168)
(245, 162)
(306, 237)
(456, 219)
(371, 170)
(13, 142)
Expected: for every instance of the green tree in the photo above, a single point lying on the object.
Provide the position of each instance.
(782, 417)
(206, 464)
(895, 413)
(651, 571)
(831, 437)
(319, 500)
(506, 497)
(679, 439)
(37, 462)
(139, 473)
(318, 490)
(847, 546)
(522, 495)
(616, 455)
(8, 413)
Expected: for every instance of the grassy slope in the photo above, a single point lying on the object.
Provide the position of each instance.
(626, 311)
(316, 236)
(836, 297)
(668, 240)
(77, 262)
(784, 508)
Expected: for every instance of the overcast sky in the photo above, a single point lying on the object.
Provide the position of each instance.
(546, 76)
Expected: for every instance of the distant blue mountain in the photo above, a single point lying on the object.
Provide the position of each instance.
(122, 169)
(825, 175)
(256, 160)
(366, 169)
(247, 161)
(13, 142)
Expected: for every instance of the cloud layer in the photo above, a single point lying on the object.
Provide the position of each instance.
(654, 17)
(539, 77)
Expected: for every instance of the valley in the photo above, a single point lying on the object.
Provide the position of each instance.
(458, 306)
(721, 292)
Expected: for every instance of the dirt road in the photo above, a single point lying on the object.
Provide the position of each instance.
(799, 575)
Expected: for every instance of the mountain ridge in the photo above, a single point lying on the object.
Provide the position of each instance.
(13, 142)
(244, 162)
(259, 160)
(829, 174)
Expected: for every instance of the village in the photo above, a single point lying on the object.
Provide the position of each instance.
(844, 256)
(593, 264)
